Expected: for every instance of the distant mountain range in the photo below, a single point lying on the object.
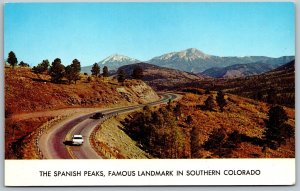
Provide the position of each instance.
(193, 60)
(241, 70)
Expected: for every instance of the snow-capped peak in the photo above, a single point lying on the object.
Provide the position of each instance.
(188, 54)
(192, 54)
(117, 58)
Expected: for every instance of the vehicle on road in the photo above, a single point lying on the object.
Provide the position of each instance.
(77, 140)
(97, 115)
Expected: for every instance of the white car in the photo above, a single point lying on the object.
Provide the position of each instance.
(77, 140)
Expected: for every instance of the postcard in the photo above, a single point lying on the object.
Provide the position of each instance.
(174, 93)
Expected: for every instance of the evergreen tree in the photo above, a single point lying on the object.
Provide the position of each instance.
(177, 110)
(275, 127)
(45, 65)
(121, 76)
(216, 141)
(209, 103)
(69, 73)
(234, 140)
(12, 59)
(105, 71)
(57, 71)
(95, 70)
(76, 65)
(40, 68)
(289, 131)
(221, 100)
(72, 72)
(23, 64)
(37, 70)
(195, 142)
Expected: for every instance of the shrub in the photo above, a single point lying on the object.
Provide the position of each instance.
(209, 103)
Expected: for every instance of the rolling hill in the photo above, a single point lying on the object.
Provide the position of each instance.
(276, 86)
(239, 70)
(27, 94)
(160, 78)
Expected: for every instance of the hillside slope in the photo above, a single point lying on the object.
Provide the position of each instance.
(186, 129)
(275, 86)
(26, 92)
(161, 78)
(29, 94)
(244, 115)
(239, 70)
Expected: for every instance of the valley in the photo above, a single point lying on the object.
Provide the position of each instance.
(170, 108)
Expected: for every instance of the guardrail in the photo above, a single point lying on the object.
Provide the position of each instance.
(104, 152)
(41, 130)
(102, 149)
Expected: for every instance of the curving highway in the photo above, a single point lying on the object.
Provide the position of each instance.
(55, 143)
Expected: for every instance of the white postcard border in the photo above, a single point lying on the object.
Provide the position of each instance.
(264, 172)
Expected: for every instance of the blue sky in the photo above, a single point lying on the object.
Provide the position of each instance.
(92, 31)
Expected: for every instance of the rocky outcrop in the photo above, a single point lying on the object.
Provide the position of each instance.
(138, 91)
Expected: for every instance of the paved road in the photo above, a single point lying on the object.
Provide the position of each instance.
(55, 144)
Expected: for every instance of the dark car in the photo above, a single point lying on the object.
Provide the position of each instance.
(97, 115)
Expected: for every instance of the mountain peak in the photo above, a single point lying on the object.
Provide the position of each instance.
(192, 50)
(188, 55)
(116, 58)
(194, 53)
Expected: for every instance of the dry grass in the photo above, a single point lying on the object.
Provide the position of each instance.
(15, 138)
(244, 115)
(26, 92)
(111, 141)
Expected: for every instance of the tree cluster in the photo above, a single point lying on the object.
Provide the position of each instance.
(210, 103)
(72, 71)
(158, 133)
(41, 68)
(277, 130)
(23, 64)
(222, 144)
(58, 71)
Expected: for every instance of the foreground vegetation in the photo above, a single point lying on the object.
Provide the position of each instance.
(274, 87)
(242, 128)
(27, 92)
